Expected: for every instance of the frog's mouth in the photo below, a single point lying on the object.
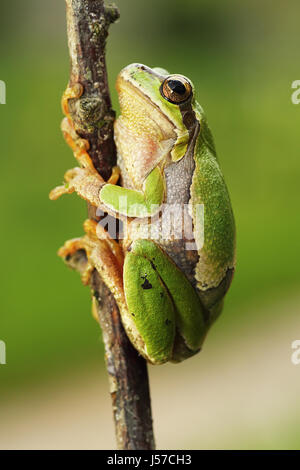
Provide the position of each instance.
(143, 130)
(139, 110)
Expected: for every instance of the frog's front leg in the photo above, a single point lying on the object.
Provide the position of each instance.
(162, 304)
(78, 145)
(132, 203)
(85, 180)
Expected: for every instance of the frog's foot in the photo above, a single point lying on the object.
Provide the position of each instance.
(96, 233)
(103, 254)
(70, 248)
(85, 182)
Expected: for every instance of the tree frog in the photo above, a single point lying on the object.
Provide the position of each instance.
(169, 289)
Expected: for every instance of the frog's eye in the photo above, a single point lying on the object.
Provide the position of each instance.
(176, 89)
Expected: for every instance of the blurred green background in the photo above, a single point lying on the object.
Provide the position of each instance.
(242, 58)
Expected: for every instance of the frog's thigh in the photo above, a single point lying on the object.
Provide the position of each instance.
(150, 306)
(190, 320)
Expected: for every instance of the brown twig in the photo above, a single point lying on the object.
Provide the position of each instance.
(88, 22)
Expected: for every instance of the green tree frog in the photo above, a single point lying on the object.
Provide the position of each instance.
(169, 286)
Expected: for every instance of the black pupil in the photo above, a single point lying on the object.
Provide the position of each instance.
(177, 87)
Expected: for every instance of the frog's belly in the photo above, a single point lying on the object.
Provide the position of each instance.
(172, 228)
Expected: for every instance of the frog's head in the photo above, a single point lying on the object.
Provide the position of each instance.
(159, 104)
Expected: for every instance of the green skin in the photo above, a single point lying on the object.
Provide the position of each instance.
(171, 315)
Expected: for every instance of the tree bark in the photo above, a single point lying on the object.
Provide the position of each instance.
(87, 23)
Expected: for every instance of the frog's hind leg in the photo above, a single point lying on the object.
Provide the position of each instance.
(163, 303)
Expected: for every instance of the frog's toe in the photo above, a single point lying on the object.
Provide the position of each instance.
(115, 175)
(71, 92)
(74, 246)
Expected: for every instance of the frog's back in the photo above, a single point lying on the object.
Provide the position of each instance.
(215, 267)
